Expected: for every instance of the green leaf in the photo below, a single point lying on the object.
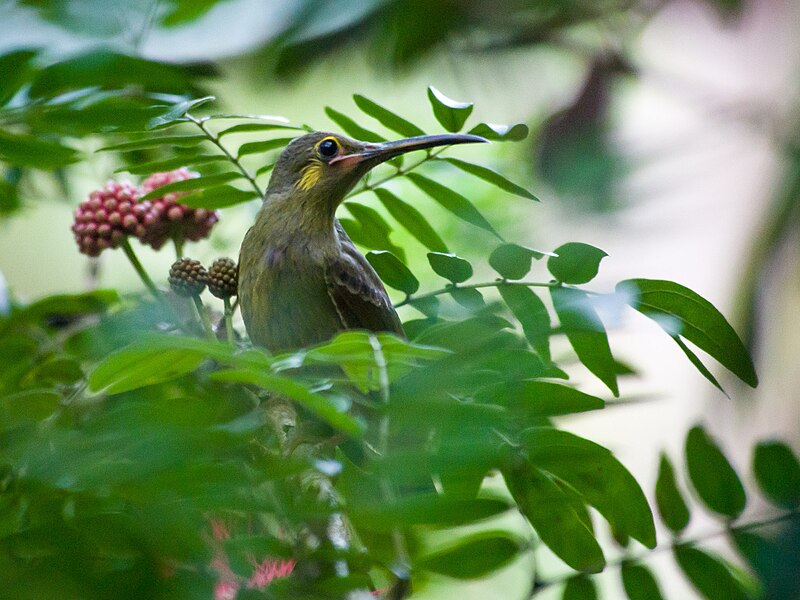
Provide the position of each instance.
(698, 364)
(155, 142)
(290, 388)
(219, 196)
(777, 471)
(599, 477)
(585, 333)
(671, 505)
(254, 127)
(373, 230)
(276, 121)
(91, 111)
(536, 399)
(14, 72)
(450, 113)
(183, 13)
(427, 306)
(412, 220)
(424, 509)
(639, 582)
(265, 169)
(27, 407)
(65, 305)
(263, 146)
(473, 557)
(492, 177)
(579, 588)
(193, 183)
(156, 358)
(355, 353)
(709, 575)
(56, 370)
(532, 314)
(513, 261)
(757, 550)
(680, 311)
(452, 201)
(575, 263)
(450, 266)
(501, 133)
(351, 128)
(387, 118)
(551, 513)
(171, 163)
(393, 272)
(23, 150)
(469, 298)
(9, 197)
(177, 113)
(110, 70)
(139, 366)
(712, 475)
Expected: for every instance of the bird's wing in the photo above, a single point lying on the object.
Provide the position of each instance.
(357, 293)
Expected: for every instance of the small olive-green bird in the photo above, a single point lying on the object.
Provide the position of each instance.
(301, 279)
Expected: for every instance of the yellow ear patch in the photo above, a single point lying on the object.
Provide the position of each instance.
(310, 175)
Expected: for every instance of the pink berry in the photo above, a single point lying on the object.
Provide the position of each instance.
(103, 220)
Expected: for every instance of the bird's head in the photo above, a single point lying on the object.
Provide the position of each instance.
(320, 168)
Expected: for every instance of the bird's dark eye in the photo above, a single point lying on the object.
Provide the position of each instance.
(328, 148)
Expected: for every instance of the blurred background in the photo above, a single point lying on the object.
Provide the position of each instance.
(664, 132)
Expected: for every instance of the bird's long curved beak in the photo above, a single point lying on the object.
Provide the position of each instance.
(374, 154)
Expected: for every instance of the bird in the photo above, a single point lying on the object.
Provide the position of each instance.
(301, 278)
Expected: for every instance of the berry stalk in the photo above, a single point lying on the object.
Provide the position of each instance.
(134, 260)
(201, 312)
(228, 319)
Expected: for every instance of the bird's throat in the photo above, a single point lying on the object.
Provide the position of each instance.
(299, 223)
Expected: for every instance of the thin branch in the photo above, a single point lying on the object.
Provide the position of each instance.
(765, 522)
(472, 286)
(214, 139)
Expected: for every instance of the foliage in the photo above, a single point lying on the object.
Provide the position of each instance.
(126, 433)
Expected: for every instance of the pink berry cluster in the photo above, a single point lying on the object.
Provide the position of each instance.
(117, 211)
(108, 216)
(167, 218)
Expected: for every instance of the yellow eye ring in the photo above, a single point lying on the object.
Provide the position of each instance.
(327, 147)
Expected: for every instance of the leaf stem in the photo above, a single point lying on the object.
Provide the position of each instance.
(201, 312)
(214, 139)
(765, 522)
(134, 260)
(472, 286)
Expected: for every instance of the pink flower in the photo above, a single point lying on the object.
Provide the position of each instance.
(225, 590)
(264, 572)
(269, 569)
